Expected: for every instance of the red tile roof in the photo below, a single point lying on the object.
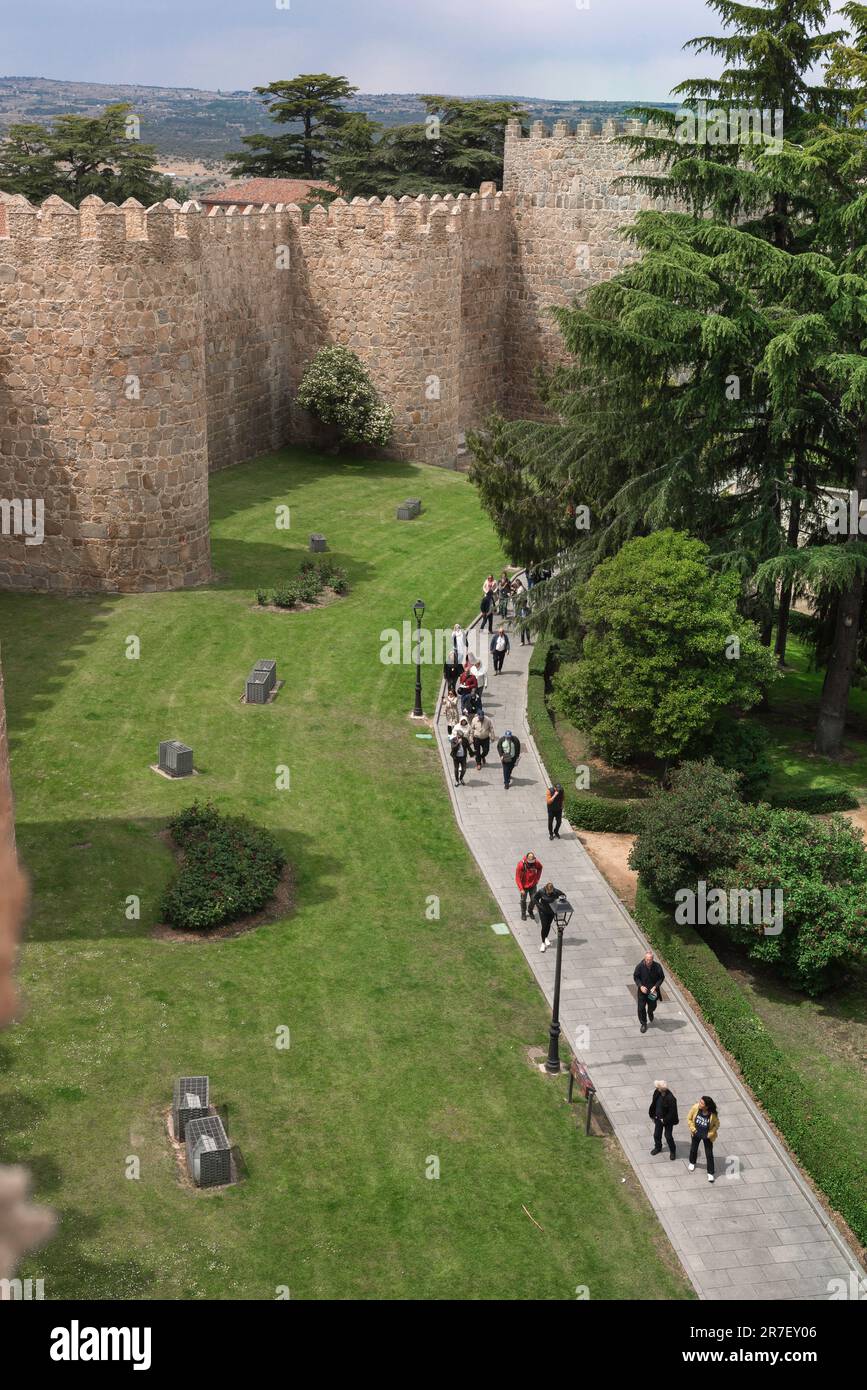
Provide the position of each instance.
(259, 191)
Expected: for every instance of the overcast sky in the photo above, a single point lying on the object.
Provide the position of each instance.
(614, 49)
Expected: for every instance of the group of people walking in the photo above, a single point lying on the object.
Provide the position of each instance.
(535, 898)
(703, 1118)
(470, 730)
(471, 735)
(702, 1121)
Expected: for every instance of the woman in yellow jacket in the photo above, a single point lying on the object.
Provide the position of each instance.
(703, 1122)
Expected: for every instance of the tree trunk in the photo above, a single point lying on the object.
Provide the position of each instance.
(841, 664)
(785, 604)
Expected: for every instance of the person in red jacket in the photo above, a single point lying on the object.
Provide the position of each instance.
(527, 876)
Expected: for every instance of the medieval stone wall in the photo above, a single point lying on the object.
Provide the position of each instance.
(102, 400)
(247, 286)
(140, 348)
(568, 214)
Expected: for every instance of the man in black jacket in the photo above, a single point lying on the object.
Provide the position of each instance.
(648, 976)
(663, 1112)
(543, 901)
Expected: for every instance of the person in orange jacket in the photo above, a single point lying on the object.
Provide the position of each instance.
(527, 876)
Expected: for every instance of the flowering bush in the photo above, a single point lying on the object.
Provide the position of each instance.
(337, 389)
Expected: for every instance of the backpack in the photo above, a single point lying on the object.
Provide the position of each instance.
(508, 750)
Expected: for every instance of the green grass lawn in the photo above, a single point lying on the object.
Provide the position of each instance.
(408, 1035)
(791, 722)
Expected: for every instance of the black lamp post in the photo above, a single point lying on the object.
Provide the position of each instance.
(562, 912)
(418, 610)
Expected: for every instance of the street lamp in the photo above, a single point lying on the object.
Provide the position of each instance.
(418, 610)
(563, 910)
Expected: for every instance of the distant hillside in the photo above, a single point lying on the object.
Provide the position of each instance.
(187, 124)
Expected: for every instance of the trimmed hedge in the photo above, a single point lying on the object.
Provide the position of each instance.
(230, 868)
(816, 801)
(826, 1151)
(582, 809)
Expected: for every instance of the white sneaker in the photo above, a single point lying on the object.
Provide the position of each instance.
(710, 1177)
(692, 1167)
(543, 947)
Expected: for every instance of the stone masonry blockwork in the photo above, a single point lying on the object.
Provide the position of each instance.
(141, 349)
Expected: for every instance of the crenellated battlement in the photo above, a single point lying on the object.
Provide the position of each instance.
(583, 130)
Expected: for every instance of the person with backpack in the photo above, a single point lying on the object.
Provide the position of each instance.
(703, 1121)
(543, 901)
(648, 976)
(486, 608)
(509, 749)
(663, 1113)
(554, 802)
(460, 748)
(527, 876)
(482, 731)
(499, 648)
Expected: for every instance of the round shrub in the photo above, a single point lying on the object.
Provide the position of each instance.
(308, 587)
(337, 389)
(689, 832)
(230, 868)
(286, 595)
(656, 670)
(819, 870)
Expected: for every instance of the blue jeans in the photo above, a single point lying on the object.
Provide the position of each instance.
(508, 769)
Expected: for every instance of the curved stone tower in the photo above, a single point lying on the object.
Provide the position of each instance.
(102, 398)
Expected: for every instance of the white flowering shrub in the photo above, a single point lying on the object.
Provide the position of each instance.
(336, 389)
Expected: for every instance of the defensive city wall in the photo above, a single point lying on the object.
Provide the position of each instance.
(140, 349)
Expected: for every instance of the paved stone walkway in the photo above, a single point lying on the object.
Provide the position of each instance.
(757, 1232)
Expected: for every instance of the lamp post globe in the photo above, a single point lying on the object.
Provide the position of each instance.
(418, 610)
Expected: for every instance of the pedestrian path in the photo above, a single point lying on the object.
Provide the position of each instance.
(758, 1232)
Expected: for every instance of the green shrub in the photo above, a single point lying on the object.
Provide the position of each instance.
(819, 870)
(822, 1146)
(262, 596)
(309, 587)
(337, 389)
(690, 832)
(816, 800)
(656, 670)
(740, 746)
(339, 582)
(230, 868)
(588, 812)
(287, 595)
